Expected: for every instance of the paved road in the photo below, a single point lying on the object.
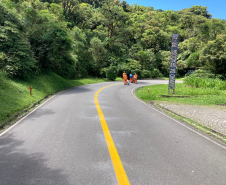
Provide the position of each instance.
(62, 142)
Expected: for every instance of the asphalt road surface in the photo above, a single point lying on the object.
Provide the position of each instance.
(62, 142)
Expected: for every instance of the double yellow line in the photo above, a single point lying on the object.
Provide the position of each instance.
(119, 170)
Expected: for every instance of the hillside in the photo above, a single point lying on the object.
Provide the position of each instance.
(15, 94)
(76, 38)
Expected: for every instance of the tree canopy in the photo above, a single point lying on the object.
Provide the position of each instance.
(76, 38)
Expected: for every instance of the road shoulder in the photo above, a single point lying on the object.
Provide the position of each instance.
(207, 119)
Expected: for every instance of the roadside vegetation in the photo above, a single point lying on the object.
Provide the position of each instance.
(183, 94)
(204, 83)
(45, 42)
(202, 87)
(15, 94)
(80, 38)
(206, 79)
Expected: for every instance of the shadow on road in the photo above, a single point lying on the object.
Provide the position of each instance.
(17, 167)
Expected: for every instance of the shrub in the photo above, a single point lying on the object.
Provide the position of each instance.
(146, 73)
(200, 73)
(3, 75)
(122, 68)
(103, 72)
(133, 64)
(205, 83)
(155, 73)
(112, 73)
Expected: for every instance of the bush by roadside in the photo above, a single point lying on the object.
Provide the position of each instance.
(201, 73)
(183, 94)
(15, 94)
(112, 73)
(205, 82)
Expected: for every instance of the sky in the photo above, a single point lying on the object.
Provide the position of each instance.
(215, 7)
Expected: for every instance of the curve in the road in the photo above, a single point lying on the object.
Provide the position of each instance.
(62, 142)
(133, 93)
(118, 167)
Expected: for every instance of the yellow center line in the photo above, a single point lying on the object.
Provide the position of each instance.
(119, 170)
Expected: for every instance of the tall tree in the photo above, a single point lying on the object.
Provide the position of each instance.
(16, 56)
(213, 55)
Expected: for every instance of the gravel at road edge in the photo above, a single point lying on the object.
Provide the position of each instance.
(213, 117)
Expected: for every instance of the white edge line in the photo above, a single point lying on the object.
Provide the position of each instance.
(176, 120)
(1, 134)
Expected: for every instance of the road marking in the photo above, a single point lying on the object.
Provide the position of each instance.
(13, 125)
(118, 167)
(5, 131)
(133, 93)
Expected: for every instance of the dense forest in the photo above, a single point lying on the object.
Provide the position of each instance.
(77, 38)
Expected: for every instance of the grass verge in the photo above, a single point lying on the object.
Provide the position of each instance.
(205, 83)
(183, 94)
(186, 95)
(15, 94)
(180, 78)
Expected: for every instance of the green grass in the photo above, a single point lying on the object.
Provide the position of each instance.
(205, 83)
(179, 78)
(15, 94)
(196, 96)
